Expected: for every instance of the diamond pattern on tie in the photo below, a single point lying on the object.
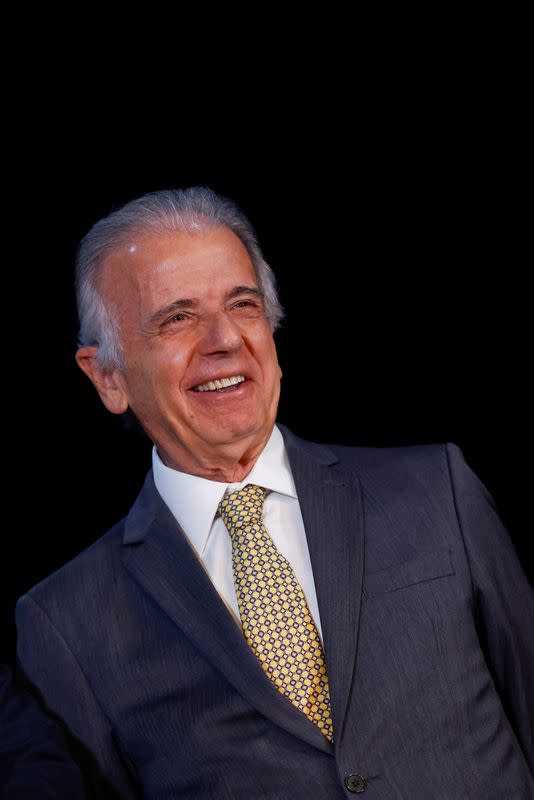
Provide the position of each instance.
(275, 617)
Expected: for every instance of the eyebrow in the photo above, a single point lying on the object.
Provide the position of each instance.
(186, 302)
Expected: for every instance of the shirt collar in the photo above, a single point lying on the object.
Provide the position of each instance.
(193, 501)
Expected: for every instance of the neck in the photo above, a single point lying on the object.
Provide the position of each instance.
(229, 466)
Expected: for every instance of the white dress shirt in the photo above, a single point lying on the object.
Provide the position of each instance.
(193, 501)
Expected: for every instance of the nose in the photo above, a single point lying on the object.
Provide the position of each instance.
(220, 335)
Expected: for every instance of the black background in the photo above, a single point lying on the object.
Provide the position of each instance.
(388, 191)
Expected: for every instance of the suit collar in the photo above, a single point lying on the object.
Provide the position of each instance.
(194, 500)
(332, 509)
(320, 453)
(160, 559)
(149, 503)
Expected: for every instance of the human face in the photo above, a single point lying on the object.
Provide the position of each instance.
(191, 313)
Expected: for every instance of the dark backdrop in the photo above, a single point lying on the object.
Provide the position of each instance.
(388, 196)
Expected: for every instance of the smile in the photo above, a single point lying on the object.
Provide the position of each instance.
(220, 383)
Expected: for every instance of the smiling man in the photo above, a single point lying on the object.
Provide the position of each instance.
(274, 618)
(199, 367)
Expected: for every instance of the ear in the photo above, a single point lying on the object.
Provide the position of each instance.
(107, 381)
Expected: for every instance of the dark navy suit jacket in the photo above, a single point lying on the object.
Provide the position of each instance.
(35, 763)
(428, 634)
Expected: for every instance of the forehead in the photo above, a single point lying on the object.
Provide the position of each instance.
(148, 262)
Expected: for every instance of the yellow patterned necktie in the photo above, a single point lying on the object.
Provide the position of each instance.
(275, 617)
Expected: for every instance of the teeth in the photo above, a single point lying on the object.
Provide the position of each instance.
(220, 383)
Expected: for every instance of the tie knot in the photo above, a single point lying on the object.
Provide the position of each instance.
(243, 506)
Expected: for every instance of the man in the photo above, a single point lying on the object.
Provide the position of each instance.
(274, 618)
(34, 759)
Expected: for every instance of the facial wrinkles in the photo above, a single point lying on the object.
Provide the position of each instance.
(149, 272)
(163, 364)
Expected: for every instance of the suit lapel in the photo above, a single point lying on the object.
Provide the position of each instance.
(331, 506)
(159, 557)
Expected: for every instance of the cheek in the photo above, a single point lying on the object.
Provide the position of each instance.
(264, 345)
(272, 374)
(168, 367)
(271, 357)
(178, 361)
(152, 379)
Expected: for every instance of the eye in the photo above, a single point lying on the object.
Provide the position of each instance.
(175, 318)
(247, 304)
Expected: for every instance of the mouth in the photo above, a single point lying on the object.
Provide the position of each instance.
(220, 384)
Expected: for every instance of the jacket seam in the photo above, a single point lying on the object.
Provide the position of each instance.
(460, 527)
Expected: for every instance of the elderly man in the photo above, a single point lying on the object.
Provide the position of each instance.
(273, 618)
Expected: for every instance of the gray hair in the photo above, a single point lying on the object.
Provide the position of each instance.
(157, 212)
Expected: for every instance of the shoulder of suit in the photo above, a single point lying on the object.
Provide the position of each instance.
(423, 468)
(373, 456)
(101, 557)
(392, 455)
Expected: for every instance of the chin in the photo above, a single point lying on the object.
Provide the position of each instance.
(234, 431)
